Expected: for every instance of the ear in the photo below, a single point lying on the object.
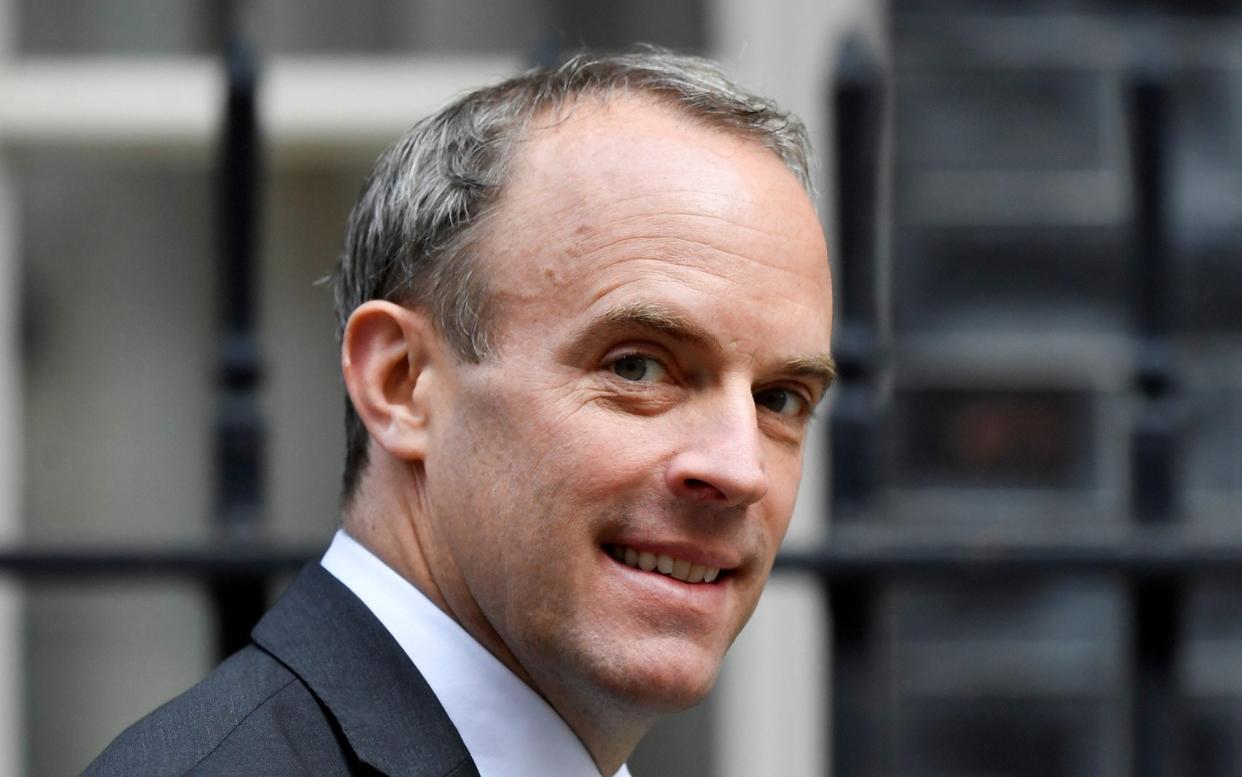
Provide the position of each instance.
(389, 359)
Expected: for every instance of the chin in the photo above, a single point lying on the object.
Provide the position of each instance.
(662, 679)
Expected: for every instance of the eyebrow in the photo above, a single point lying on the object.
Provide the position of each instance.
(648, 315)
(820, 368)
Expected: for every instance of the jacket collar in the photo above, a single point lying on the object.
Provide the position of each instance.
(327, 637)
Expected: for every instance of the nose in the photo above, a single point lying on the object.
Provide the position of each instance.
(722, 460)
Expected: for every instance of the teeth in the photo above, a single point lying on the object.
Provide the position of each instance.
(676, 568)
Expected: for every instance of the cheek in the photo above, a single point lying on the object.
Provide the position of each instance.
(577, 449)
(785, 472)
(516, 474)
(473, 472)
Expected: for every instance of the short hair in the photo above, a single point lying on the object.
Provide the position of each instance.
(409, 237)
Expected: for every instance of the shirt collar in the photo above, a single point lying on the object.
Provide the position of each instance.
(509, 729)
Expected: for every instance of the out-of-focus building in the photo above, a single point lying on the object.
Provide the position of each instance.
(1007, 299)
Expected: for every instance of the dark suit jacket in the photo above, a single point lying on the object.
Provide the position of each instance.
(323, 689)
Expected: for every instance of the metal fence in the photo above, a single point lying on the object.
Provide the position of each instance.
(1155, 559)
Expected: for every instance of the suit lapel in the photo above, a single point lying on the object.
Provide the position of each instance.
(390, 716)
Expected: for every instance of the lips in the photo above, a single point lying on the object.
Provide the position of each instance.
(662, 563)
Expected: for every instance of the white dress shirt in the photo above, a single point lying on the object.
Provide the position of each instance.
(509, 729)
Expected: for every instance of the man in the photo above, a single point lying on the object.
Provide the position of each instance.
(585, 317)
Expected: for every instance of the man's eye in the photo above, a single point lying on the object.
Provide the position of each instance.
(781, 401)
(638, 368)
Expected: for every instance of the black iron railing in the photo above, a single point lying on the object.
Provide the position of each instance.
(239, 597)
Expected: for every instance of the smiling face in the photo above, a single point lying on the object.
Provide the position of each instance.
(664, 318)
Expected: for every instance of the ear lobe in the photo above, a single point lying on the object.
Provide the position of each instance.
(387, 358)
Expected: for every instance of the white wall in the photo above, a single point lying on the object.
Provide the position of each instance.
(11, 728)
(11, 719)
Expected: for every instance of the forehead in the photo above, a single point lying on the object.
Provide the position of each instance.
(597, 152)
(615, 201)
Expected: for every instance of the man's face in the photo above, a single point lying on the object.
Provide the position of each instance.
(664, 314)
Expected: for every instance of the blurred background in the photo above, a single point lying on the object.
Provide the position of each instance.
(1017, 550)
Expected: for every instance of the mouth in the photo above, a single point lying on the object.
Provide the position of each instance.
(664, 564)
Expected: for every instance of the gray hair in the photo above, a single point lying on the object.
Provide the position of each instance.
(410, 235)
